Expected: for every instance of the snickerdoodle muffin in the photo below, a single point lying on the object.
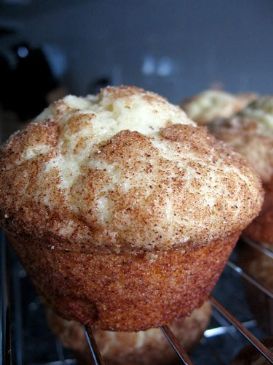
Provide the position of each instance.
(132, 348)
(213, 104)
(122, 209)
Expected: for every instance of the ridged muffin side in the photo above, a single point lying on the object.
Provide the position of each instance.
(125, 291)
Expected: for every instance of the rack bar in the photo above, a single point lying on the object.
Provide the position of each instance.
(181, 353)
(229, 329)
(17, 312)
(264, 351)
(60, 352)
(5, 345)
(58, 362)
(95, 353)
(259, 247)
(250, 279)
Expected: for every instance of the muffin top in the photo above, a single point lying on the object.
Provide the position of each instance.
(212, 104)
(250, 132)
(123, 170)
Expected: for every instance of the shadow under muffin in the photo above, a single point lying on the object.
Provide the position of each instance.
(132, 348)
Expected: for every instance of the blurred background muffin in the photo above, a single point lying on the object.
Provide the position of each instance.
(209, 105)
(250, 132)
(132, 348)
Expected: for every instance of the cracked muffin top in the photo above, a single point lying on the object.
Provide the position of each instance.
(123, 170)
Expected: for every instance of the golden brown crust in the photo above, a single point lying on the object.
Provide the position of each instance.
(125, 292)
(134, 348)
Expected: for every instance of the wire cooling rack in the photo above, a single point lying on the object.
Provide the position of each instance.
(227, 333)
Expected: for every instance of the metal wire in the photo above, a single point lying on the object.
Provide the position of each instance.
(245, 332)
(259, 247)
(60, 352)
(18, 334)
(6, 348)
(250, 279)
(181, 353)
(94, 351)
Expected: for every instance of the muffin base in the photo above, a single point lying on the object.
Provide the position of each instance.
(126, 291)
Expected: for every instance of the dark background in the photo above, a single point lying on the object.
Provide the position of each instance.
(174, 47)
